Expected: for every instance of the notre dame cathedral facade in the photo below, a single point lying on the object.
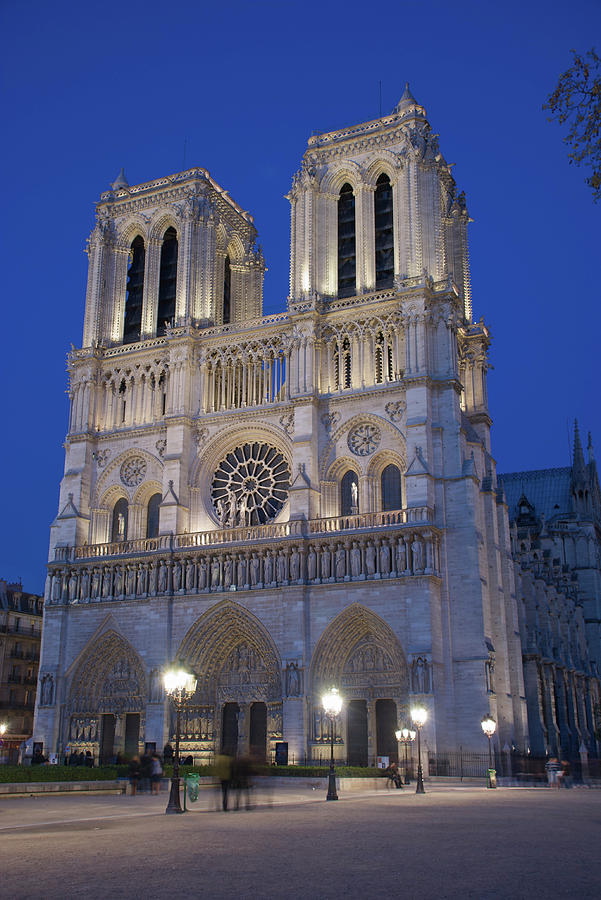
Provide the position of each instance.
(283, 502)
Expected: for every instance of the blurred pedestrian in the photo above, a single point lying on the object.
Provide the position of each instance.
(145, 772)
(223, 771)
(553, 768)
(134, 774)
(242, 779)
(157, 773)
(566, 774)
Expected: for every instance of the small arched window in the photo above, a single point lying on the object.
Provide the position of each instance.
(383, 359)
(135, 291)
(349, 494)
(227, 290)
(167, 281)
(120, 515)
(347, 253)
(152, 516)
(384, 233)
(391, 488)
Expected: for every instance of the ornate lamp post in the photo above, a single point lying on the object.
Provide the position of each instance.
(179, 685)
(332, 704)
(406, 736)
(489, 726)
(418, 716)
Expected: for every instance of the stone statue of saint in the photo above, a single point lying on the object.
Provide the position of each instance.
(355, 560)
(268, 568)
(292, 680)
(177, 577)
(190, 572)
(282, 567)
(417, 555)
(57, 588)
(215, 579)
(254, 569)
(156, 688)
(340, 557)
(107, 577)
(131, 581)
(73, 586)
(370, 558)
(241, 573)
(384, 559)
(294, 565)
(96, 577)
(84, 592)
(242, 510)
(311, 564)
(162, 578)
(202, 574)
(228, 573)
(47, 690)
(354, 497)
(142, 579)
(121, 526)
(401, 556)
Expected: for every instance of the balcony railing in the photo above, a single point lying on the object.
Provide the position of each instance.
(244, 534)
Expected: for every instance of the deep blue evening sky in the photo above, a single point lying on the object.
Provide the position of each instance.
(89, 88)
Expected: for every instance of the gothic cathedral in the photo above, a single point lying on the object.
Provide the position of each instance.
(285, 502)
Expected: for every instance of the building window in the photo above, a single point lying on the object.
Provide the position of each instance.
(349, 494)
(383, 360)
(135, 290)
(391, 488)
(119, 526)
(167, 281)
(384, 234)
(347, 254)
(152, 516)
(343, 364)
(227, 290)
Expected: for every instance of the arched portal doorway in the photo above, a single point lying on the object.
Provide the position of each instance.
(107, 700)
(360, 654)
(238, 702)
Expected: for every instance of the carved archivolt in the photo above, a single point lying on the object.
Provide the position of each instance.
(233, 656)
(108, 678)
(358, 649)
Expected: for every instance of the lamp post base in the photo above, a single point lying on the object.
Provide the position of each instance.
(332, 793)
(419, 788)
(174, 805)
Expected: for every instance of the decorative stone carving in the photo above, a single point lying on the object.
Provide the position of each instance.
(395, 409)
(293, 680)
(364, 439)
(420, 675)
(201, 436)
(46, 690)
(161, 446)
(330, 420)
(250, 485)
(287, 423)
(133, 471)
(101, 457)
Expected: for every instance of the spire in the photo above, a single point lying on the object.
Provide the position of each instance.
(408, 102)
(589, 447)
(120, 181)
(578, 466)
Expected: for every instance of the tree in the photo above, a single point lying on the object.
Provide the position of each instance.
(577, 101)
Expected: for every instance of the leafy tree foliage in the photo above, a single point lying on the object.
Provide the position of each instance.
(576, 101)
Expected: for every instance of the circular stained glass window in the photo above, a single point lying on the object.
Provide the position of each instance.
(250, 485)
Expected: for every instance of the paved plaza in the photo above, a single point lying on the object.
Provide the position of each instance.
(451, 842)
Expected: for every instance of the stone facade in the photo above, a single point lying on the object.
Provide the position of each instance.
(555, 517)
(284, 502)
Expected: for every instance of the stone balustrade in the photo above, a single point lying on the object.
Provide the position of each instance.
(290, 557)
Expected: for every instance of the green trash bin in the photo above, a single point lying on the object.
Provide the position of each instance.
(190, 788)
(491, 775)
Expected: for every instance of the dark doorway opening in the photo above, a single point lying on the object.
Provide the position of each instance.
(357, 733)
(132, 733)
(229, 730)
(258, 731)
(386, 725)
(108, 739)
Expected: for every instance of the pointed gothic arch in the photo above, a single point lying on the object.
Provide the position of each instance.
(108, 677)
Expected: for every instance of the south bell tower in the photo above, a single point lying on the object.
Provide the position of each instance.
(292, 500)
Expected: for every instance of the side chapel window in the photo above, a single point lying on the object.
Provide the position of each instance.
(152, 516)
(390, 482)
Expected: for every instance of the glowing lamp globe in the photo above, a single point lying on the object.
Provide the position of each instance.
(489, 726)
(399, 734)
(332, 702)
(419, 715)
(3, 728)
(178, 681)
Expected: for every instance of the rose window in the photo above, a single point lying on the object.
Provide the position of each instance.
(364, 439)
(250, 485)
(133, 471)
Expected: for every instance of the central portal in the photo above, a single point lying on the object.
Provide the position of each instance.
(357, 733)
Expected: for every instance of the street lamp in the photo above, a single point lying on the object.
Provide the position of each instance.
(3, 730)
(332, 704)
(489, 726)
(406, 736)
(179, 685)
(418, 716)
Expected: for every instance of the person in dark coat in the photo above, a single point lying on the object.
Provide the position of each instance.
(168, 755)
(145, 772)
(134, 774)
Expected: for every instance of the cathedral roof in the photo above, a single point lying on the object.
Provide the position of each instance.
(548, 490)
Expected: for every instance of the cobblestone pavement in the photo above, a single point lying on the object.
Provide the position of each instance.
(451, 842)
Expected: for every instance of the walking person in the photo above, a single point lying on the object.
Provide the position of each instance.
(134, 774)
(566, 774)
(553, 768)
(223, 771)
(156, 773)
